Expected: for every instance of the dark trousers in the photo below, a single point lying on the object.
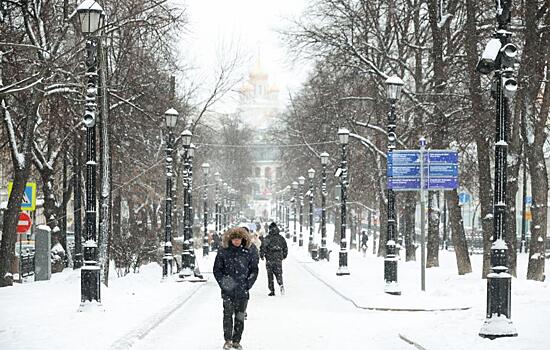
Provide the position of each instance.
(233, 328)
(274, 268)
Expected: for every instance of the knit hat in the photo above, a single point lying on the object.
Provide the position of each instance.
(273, 228)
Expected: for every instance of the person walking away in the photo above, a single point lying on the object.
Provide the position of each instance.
(364, 242)
(235, 270)
(274, 249)
(215, 241)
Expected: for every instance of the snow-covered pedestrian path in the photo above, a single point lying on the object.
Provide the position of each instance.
(309, 316)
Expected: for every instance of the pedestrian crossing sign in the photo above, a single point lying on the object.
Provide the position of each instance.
(29, 196)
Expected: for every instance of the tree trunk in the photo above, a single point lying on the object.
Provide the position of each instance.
(432, 257)
(458, 236)
(105, 201)
(21, 174)
(481, 117)
(410, 226)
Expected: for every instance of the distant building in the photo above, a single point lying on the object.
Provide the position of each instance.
(259, 108)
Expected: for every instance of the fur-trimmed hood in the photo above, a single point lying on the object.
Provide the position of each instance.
(239, 231)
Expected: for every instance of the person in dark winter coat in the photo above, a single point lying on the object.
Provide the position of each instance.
(235, 270)
(274, 249)
(364, 242)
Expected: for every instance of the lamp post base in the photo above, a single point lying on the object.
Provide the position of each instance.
(186, 262)
(390, 276)
(90, 284)
(323, 253)
(498, 327)
(342, 271)
(392, 288)
(300, 242)
(205, 249)
(167, 265)
(343, 264)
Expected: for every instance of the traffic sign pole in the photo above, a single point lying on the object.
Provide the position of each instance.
(422, 217)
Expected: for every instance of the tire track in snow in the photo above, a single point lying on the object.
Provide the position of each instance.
(128, 340)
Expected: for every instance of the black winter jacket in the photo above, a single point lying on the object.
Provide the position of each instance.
(236, 269)
(274, 247)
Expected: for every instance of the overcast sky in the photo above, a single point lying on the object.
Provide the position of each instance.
(250, 26)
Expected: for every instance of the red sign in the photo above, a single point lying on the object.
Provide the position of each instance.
(24, 223)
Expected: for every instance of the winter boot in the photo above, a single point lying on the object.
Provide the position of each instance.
(228, 345)
(282, 290)
(272, 293)
(237, 346)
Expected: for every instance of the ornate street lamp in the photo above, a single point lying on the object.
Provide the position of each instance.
(301, 182)
(294, 209)
(311, 176)
(205, 245)
(287, 211)
(91, 18)
(394, 85)
(186, 256)
(323, 253)
(343, 136)
(500, 56)
(171, 118)
(218, 179)
(192, 257)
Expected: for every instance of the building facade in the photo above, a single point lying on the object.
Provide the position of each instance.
(259, 108)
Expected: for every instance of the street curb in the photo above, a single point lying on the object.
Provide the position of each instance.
(375, 308)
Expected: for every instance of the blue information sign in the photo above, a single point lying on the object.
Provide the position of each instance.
(440, 170)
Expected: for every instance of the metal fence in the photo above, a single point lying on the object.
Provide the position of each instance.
(27, 264)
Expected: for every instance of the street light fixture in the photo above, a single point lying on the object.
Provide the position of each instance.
(218, 179)
(343, 136)
(192, 258)
(323, 253)
(187, 255)
(205, 246)
(311, 176)
(287, 211)
(294, 209)
(301, 182)
(91, 18)
(394, 85)
(171, 118)
(499, 282)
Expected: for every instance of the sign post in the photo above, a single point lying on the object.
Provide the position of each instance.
(422, 170)
(23, 225)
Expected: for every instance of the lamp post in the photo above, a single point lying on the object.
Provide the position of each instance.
(192, 149)
(311, 176)
(500, 56)
(186, 258)
(287, 211)
(171, 118)
(393, 85)
(323, 253)
(205, 246)
(343, 135)
(218, 180)
(91, 18)
(225, 204)
(301, 182)
(294, 209)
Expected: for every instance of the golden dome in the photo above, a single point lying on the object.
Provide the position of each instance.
(257, 72)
